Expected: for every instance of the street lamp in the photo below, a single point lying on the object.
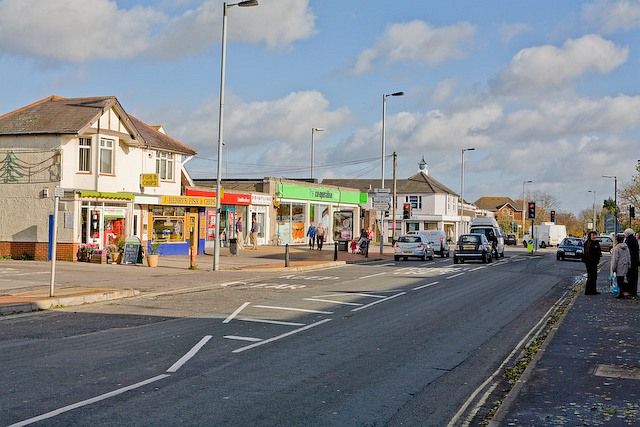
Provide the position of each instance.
(523, 203)
(595, 228)
(615, 199)
(313, 131)
(384, 117)
(462, 185)
(223, 60)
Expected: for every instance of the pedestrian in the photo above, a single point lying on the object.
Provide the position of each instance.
(223, 238)
(239, 235)
(354, 246)
(591, 258)
(634, 253)
(320, 235)
(620, 263)
(311, 234)
(255, 229)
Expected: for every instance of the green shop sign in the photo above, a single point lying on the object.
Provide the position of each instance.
(322, 194)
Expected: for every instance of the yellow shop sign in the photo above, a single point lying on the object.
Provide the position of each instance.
(188, 201)
(149, 180)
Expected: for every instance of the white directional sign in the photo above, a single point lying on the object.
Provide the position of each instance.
(382, 197)
(382, 206)
(382, 190)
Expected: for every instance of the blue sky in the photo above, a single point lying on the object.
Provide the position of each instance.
(545, 91)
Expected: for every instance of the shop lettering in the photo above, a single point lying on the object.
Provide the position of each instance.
(323, 194)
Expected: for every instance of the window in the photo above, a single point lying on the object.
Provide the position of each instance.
(416, 201)
(106, 156)
(84, 155)
(164, 165)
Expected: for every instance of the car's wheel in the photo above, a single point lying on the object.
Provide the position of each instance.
(396, 258)
(524, 243)
(543, 244)
(502, 254)
(405, 258)
(455, 260)
(448, 253)
(424, 256)
(490, 260)
(558, 257)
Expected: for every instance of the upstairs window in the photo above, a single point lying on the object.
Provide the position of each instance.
(416, 201)
(84, 155)
(164, 165)
(106, 156)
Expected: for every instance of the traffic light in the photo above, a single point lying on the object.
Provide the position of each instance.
(406, 211)
(632, 211)
(552, 214)
(531, 213)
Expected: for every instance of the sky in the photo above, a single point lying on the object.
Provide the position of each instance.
(546, 91)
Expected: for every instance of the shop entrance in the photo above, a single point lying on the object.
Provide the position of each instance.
(102, 224)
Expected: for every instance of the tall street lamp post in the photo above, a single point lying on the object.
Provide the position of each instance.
(223, 60)
(313, 131)
(384, 117)
(523, 203)
(462, 186)
(615, 199)
(593, 213)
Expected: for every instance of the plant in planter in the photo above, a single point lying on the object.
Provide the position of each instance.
(120, 243)
(152, 258)
(84, 252)
(99, 256)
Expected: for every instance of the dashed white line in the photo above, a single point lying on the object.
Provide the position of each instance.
(455, 275)
(295, 331)
(425, 286)
(273, 322)
(184, 359)
(304, 310)
(348, 294)
(477, 268)
(89, 401)
(236, 337)
(331, 301)
(379, 301)
(372, 275)
(235, 313)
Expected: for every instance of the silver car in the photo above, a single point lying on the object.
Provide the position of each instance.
(412, 246)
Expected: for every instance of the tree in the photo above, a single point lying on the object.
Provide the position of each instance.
(505, 221)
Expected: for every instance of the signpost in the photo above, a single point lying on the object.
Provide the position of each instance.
(57, 193)
(382, 202)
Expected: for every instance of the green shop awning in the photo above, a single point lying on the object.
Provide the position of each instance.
(106, 195)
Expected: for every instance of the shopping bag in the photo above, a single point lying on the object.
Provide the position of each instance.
(613, 285)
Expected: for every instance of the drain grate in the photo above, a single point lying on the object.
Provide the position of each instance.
(615, 371)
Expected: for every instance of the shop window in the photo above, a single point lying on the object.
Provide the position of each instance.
(343, 225)
(106, 156)
(168, 229)
(164, 165)
(84, 155)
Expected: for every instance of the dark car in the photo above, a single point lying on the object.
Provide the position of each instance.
(472, 246)
(570, 247)
(510, 239)
(606, 243)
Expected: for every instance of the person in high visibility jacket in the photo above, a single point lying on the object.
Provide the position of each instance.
(530, 246)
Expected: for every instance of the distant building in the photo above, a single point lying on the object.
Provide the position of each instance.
(507, 212)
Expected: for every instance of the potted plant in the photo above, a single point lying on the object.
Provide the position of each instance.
(152, 258)
(99, 256)
(120, 243)
(84, 253)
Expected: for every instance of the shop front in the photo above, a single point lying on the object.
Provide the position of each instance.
(259, 209)
(104, 217)
(299, 206)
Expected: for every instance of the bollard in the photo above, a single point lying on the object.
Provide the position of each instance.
(286, 255)
(335, 251)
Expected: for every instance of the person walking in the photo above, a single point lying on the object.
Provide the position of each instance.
(311, 234)
(591, 258)
(620, 263)
(320, 235)
(239, 234)
(255, 229)
(634, 253)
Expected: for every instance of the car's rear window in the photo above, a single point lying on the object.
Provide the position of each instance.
(572, 242)
(409, 239)
(466, 239)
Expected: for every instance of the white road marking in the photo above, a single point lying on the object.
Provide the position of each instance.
(235, 313)
(455, 275)
(477, 268)
(6, 273)
(273, 322)
(89, 401)
(348, 294)
(184, 359)
(427, 263)
(331, 301)
(372, 275)
(425, 286)
(387, 265)
(295, 331)
(236, 337)
(304, 310)
(379, 301)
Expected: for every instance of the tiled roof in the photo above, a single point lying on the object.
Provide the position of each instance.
(58, 115)
(493, 203)
(418, 183)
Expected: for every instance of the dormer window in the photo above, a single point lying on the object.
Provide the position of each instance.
(164, 165)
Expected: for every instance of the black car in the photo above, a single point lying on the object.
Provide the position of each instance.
(472, 246)
(510, 239)
(570, 247)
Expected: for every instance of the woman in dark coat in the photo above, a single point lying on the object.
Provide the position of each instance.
(592, 254)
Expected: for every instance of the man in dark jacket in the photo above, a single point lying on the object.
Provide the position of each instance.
(634, 251)
(592, 254)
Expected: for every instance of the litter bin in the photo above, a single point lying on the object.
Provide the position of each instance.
(343, 245)
(233, 246)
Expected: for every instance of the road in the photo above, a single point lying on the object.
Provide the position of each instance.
(398, 344)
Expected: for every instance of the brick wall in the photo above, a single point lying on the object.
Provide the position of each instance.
(38, 250)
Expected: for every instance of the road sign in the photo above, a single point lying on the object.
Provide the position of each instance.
(382, 190)
(382, 197)
(58, 192)
(381, 206)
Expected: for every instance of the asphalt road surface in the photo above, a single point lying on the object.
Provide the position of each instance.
(398, 344)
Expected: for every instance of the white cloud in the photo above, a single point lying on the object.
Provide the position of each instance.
(548, 67)
(417, 41)
(511, 31)
(86, 30)
(610, 16)
(443, 90)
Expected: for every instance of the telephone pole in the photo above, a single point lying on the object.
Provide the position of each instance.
(393, 201)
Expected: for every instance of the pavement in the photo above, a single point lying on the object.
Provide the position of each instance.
(586, 373)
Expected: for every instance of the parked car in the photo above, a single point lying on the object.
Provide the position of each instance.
(510, 239)
(606, 243)
(570, 247)
(472, 246)
(438, 240)
(413, 245)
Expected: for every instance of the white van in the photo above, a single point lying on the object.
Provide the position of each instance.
(438, 240)
(489, 227)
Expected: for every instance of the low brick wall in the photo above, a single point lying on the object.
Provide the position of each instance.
(38, 250)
